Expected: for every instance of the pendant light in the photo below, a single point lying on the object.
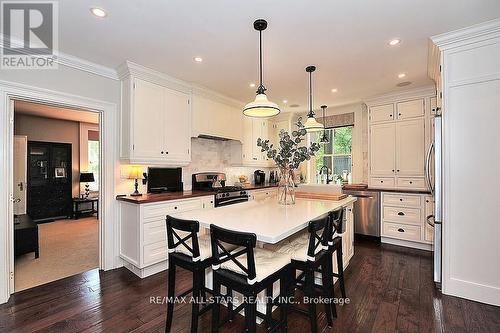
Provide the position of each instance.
(311, 125)
(261, 107)
(324, 138)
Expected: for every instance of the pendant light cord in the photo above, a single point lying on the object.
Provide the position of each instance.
(311, 112)
(260, 56)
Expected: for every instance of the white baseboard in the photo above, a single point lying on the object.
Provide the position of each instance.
(147, 271)
(473, 291)
(400, 242)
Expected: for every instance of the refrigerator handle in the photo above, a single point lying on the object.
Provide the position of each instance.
(428, 168)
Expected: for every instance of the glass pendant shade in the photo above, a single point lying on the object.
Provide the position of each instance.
(261, 107)
(311, 125)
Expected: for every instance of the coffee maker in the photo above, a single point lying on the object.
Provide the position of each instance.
(259, 177)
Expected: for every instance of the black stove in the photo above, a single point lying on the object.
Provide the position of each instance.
(216, 182)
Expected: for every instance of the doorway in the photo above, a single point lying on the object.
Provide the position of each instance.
(56, 187)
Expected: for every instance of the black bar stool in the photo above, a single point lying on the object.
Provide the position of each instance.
(309, 254)
(337, 224)
(193, 253)
(248, 271)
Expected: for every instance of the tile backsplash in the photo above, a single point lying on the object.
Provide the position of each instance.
(207, 155)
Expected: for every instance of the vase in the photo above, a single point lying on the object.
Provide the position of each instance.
(286, 187)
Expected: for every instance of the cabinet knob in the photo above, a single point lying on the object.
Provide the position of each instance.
(162, 152)
(399, 114)
(401, 214)
(427, 200)
(166, 152)
(411, 182)
(400, 199)
(393, 170)
(381, 181)
(175, 207)
(390, 115)
(401, 230)
(397, 170)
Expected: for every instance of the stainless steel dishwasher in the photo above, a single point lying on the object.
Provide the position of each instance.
(366, 212)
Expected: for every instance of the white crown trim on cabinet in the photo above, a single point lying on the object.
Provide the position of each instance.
(473, 34)
(400, 96)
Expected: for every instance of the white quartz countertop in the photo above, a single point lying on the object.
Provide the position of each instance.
(269, 220)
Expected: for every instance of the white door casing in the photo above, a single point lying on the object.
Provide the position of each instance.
(20, 173)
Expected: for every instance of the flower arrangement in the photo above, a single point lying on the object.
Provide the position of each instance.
(288, 155)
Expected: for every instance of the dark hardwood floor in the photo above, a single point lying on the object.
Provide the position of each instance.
(390, 289)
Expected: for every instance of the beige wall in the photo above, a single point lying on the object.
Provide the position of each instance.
(53, 130)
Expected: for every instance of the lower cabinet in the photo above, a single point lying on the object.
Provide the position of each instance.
(143, 235)
(404, 219)
(262, 193)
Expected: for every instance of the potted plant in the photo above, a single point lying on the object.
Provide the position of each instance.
(288, 155)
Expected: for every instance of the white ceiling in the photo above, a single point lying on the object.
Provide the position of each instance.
(54, 112)
(346, 40)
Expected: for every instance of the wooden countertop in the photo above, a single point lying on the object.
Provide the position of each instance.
(365, 187)
(158, 197)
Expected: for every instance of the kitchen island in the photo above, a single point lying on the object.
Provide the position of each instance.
(143, 244)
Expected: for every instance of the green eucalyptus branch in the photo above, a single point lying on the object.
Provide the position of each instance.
(288, 154)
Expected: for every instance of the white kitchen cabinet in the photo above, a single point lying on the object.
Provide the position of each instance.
(410, 150)
(410, 109)
(260, 194)
(403, 219)
(429, 210)
(399, 136)
(143, 242)
(382, 113)
(215, 118)
(383, 149)
(156, 124)
(247, 152)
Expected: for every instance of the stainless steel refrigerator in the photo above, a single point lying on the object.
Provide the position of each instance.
(434, 182)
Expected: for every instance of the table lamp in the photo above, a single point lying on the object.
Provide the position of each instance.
(135, 173)
(87, 177)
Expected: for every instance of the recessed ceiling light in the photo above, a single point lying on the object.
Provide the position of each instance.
(252, 85)
(285, 101)
(334, 90)
(99, 12)
(395, 42)
(198, 59)
(402, 75)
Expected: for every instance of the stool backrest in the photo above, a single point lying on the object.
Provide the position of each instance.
(174, 239)
(337, 220)
(221, 238)
(318, 235)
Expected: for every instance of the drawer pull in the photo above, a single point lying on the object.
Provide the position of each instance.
(411, 182)
(381, 181)
(400, 199)
(401, 214)
(401, 230)
(175, 207)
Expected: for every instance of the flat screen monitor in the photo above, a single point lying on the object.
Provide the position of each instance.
(164, 180)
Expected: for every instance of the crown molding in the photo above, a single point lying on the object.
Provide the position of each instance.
(419, 92)
(473, 34)
(208, 93)
(68, 60)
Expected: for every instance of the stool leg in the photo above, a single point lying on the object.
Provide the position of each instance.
(196, 298)
(331, 287)
(309, 291)
(269, 305)
(284, 300)
(325, 276)
(170, 296)
(251, 313)
(340, 266)
(216, 305)
(229, 301)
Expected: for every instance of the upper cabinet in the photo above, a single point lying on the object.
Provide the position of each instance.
(216, 118)
(399, 134)
(155, 122)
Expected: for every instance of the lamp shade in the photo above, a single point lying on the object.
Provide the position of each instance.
(311, 125)
(135, 173)
(261, 107)
(87, 177)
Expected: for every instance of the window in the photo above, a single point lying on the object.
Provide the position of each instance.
(93, 162)
(337, 154)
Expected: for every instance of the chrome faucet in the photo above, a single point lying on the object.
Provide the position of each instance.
(328, 180)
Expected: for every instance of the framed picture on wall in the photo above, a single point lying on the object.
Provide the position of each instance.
(60, 172)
